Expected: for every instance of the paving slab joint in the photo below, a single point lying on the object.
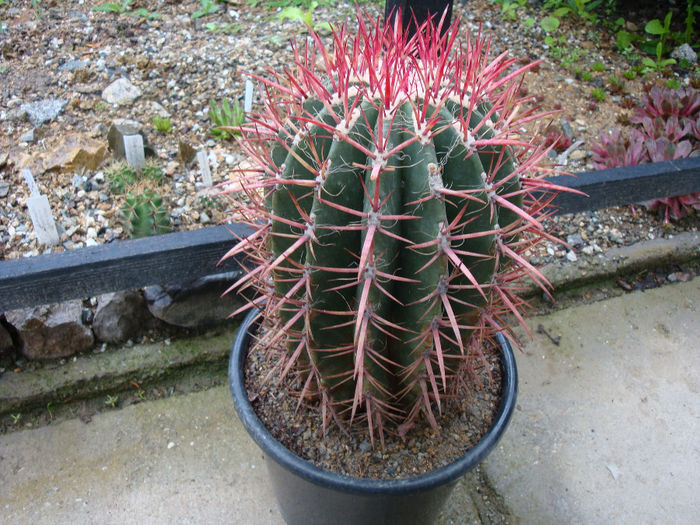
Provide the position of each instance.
(490, 505)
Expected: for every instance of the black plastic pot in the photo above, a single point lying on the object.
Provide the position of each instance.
(309, 495)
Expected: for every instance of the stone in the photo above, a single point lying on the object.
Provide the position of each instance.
(6, 344)
(4, 188)
(51, 331)
(574, 239)
(73, 151)
(43, 110)
(121, 128)
(685, 52)
(185, 152)
(15, 115)
(567, 129)
(199, 303)
(120, 92)
(120, 316)
(578, 154)
(72, 65)
(28, 136)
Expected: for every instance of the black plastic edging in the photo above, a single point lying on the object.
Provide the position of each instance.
(182, 257)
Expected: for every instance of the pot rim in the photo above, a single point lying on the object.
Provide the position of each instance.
(326, 478)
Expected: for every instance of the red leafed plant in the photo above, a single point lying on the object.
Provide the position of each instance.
(667, 128)
(392, 196)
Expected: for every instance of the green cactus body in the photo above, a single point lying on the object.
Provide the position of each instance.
(145, 214)
(396, 222)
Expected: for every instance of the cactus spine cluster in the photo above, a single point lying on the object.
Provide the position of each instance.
(391, 198)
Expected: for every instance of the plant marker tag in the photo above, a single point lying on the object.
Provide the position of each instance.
(133, 151)
(203, 162)
(248, 98)
(40, 212)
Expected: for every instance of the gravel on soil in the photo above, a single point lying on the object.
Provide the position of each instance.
(297, 423)
(55, 68)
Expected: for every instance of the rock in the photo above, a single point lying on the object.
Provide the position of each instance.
(74, 150)
(72, 65)
(578, 154)
(15, 114)
(4, 189)
(6, 344)
(574, 239)
(43, 110)
(123, 127)
(197, 304)
(51, 331)
(120, 316)
(120, 92)
(28, 136)
(615, 236)
(185, 152)
(567, 129)
(685, 52)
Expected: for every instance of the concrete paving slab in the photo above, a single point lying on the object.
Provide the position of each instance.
(607, 431)
(185, 459)
(607, 428)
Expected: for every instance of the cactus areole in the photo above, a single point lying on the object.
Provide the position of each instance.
(392, 195)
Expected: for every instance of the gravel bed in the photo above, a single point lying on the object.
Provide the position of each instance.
(64, 60)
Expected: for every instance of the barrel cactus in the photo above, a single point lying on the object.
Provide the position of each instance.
(391, 196)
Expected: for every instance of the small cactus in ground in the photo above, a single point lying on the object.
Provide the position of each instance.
(144, 214)
(392, 197)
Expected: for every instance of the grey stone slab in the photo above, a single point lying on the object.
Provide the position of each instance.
(607, 428)
(185, 459)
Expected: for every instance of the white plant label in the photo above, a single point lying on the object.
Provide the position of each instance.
(133, 151)
(40, 212)
(203, 162)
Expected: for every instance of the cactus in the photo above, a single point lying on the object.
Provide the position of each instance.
(145, 214)
(392, 195)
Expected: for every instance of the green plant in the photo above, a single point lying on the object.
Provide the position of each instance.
(658, 46)
(36, 7)
(123, 178)
(630, 74)
(144, 214)
(598, 94)
(114, 7)
(305, 16)
(386, 196)
(111, 400)
(15, 418)
(510, 8)
(586, 76)
(579, 8)
(208, 7)
(598, 67)
(162, 124)
(689, 20)
(549, 24)
(660, 63)
(142, 12)
(226, 119)
(673, 83)
(616, 85)
(227, 28)
(625, 39)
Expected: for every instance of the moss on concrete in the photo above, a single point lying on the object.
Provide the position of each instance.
(124, 369)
